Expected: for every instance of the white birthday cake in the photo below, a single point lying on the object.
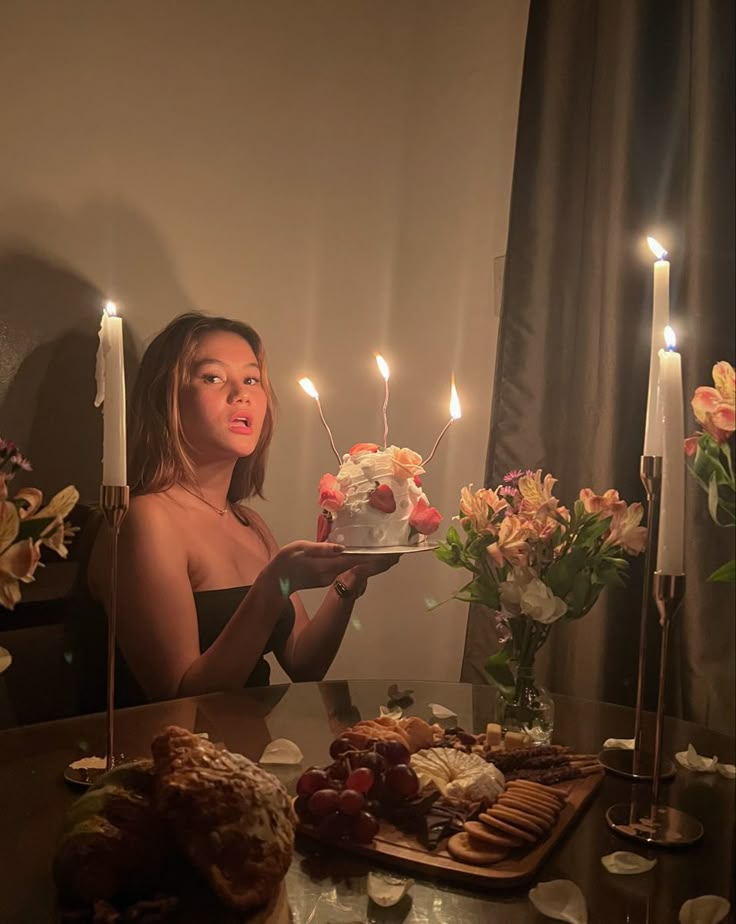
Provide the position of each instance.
(376, 500)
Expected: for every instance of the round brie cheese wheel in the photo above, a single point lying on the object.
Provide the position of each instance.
(459, 777)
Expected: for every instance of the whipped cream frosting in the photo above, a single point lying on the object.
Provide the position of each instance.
(357, 523)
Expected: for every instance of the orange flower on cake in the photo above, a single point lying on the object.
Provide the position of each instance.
(406, 462)
(330, 496)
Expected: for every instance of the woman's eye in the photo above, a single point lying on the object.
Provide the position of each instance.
(251, 380)
(211, 378)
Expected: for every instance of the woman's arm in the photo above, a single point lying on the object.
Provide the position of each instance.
(157, 619)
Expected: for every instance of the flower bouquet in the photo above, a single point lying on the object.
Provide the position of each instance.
(709, 452)
(26, 525)
(533, 562)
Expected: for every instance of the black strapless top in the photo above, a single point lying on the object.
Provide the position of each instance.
(88, 629)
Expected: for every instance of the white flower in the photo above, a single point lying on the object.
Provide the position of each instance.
(525, 593)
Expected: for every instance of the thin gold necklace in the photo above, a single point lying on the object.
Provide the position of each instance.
(221, 510)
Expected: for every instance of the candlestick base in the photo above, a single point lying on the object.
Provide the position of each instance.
(87, 776)
(660, 826)
(634, 767)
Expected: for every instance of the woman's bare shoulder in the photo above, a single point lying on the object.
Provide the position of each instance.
(152, 521)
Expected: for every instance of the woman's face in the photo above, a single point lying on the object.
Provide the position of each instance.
(223, 403)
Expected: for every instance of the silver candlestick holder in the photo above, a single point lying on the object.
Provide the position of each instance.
(638, 764)
(114, 502)
(654, 823)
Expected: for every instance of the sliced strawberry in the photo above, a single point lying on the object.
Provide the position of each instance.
(363, 447)
(323, 528)
(382, 498)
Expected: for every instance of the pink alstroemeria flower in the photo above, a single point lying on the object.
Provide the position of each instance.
(512, 544)
(715, 407)
(17, 563)
(537, 493)
(330, 496)
(625, 530)
(607, 505)
(480, 507)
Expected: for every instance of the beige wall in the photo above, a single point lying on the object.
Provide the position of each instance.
(336, 172)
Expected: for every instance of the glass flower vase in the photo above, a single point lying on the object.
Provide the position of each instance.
(529, 708)
(526, 706)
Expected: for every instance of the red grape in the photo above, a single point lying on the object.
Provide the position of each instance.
(402, 780)
(373, 761)
(301, 808)
(365, 828)
(339, 746)
(361, 779)
(335, 825)
(350, 802)
(323, 802)
(373, 807)
(338, 771)
(394, 752)
(312, 780)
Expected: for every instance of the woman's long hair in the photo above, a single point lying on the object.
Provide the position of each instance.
(158, 448)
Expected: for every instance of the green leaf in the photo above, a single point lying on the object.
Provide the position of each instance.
(497, 668)
(726, 572)
(452, 537)
(713, 498)
(448, 555)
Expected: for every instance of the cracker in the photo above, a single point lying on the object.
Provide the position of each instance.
(498, 824)
(537, 790)
(481, 832)
(467, 850)
(515, 817)
(536, 812)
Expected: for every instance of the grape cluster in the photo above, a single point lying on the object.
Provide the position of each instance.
(346, 798)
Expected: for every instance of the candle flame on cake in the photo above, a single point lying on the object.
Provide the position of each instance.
(669, 338)
(455, 412)
(657, 249)
(309, 388)
(382, 366)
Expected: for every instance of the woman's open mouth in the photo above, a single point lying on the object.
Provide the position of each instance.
(241, 424)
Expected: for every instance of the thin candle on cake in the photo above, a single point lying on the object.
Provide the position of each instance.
(383, 369)
(455, 414)
(660, 319)
(309, 388)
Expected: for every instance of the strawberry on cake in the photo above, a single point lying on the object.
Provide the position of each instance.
(376, 499)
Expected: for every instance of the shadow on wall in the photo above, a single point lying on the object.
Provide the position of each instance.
(48, 342)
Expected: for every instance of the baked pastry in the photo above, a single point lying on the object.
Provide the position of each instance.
(232, 820)
(112, 842)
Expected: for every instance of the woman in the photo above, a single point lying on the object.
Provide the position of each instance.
(204, 589)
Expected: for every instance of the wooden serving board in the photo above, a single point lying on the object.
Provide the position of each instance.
(395, 848)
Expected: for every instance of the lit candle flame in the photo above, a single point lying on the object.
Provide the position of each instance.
(309, 388)
(669, 338)
(455, 412)
(657, 249)
(382, 366)
(111, 309)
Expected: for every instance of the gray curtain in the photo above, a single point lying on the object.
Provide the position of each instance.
(626, 127)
